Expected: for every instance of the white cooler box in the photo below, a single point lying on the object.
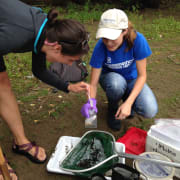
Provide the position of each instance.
(165, 139)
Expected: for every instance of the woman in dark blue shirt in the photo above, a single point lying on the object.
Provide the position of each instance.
(22, 29)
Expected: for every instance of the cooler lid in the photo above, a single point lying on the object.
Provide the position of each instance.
(170, 133)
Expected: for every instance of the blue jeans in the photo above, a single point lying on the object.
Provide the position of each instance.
(118, 88)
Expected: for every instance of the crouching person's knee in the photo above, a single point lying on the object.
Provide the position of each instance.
(151, 111)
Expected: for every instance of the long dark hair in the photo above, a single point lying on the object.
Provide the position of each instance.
(70, 34)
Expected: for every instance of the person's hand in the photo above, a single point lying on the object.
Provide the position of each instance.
(86, 107)
(78, 87)
(123, 111)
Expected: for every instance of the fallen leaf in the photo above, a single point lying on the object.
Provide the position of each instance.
(36, 121)
(51, 111)
(51, 105)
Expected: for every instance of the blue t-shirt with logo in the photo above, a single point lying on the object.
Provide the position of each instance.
(120, 61)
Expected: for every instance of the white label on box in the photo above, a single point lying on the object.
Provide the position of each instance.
(156, 145)
(161, 148)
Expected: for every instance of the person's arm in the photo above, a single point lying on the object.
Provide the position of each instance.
(78, 87)
(96, 63)
(40, 70)
(97, 59)
(125, 109)
(95, 74)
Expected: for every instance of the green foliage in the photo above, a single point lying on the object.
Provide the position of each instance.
(84, 14)
(131, 4)
(54, 114)
(43, 92)
(28, 98)
(157, 28)
(46, 9)
(162, 27)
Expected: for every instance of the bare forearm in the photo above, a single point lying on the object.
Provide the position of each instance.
(95, 74)
(93, 91)
(136, 90)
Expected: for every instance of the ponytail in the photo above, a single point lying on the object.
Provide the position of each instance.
(130, 37)
(52, 17)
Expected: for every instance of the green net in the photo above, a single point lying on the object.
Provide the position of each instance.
(93, 148)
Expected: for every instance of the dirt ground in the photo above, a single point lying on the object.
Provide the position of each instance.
(163, 78)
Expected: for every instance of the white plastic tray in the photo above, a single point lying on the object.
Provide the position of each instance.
(65, 144)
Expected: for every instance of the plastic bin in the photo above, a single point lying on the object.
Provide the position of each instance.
(134, 140)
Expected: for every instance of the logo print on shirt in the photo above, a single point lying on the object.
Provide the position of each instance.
(108, 59)
(121, 65)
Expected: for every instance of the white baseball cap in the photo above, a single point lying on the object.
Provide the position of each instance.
(111, 24)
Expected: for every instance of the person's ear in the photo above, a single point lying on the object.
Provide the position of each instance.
(58, 47)
(125, 31)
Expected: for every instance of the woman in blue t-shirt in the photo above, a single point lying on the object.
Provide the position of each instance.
(119, 63)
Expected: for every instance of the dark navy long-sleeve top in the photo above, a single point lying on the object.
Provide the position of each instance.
(22, 29)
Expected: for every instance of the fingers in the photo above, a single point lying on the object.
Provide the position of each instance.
(85, 86)
(123, 112)
(119, 115)
(122, 116)
(79, 87)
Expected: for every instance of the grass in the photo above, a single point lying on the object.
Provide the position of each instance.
(173, 101)
(155, 29)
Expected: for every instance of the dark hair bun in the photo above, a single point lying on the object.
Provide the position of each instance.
(52, 16)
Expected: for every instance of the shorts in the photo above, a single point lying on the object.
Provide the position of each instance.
(2, 64)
